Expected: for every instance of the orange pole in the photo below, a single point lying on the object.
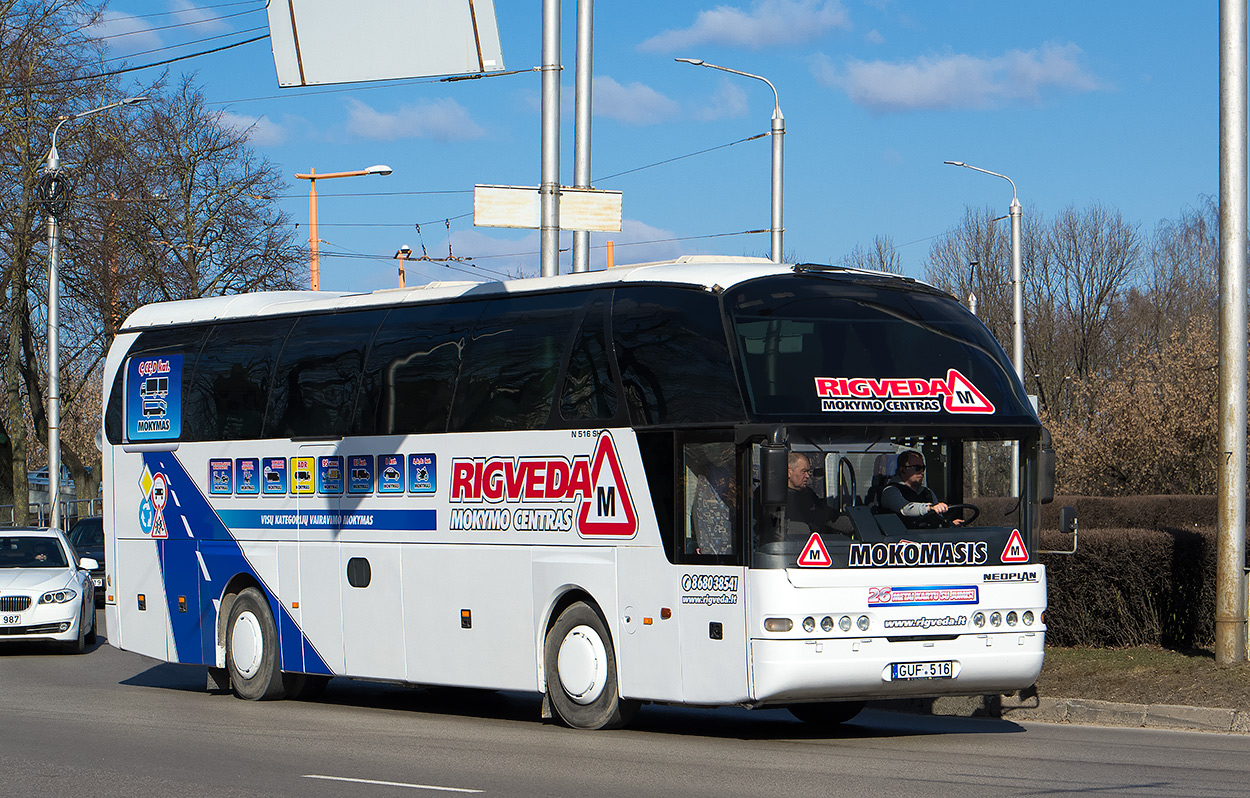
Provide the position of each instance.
(611, 254)
(401, 271)
(314, 273)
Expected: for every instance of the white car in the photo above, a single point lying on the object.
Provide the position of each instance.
(43, 597)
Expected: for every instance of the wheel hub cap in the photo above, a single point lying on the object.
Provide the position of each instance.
(583, 665)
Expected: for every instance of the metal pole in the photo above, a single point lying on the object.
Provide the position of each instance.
(314, 265)
(779, 132)
(549, 188)
(1017, 292)
(54, 361)
(1230, 593)
(581, 125)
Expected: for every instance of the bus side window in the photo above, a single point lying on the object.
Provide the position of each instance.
(508, 378)
(230, 390)
(589, 387)
(185, 341)
(410, 372)
(710, 500)
(670, 347)
(318, 374)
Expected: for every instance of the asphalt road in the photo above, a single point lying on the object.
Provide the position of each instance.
(110, 723)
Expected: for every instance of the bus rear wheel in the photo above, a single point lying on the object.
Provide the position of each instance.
(252, 648)
(580, 663)
(828, 714)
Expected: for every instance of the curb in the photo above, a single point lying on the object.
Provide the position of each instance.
(1028, 706)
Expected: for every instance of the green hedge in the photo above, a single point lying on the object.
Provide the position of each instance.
(1144, 572)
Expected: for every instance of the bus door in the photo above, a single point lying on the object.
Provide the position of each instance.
(370, 572)
(712, 611)
(314, 560)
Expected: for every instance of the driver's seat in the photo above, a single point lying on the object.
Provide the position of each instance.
(884, 467)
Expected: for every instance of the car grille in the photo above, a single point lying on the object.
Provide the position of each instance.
(41, 629)
(14, 603)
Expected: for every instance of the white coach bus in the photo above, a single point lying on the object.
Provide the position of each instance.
(582, 486)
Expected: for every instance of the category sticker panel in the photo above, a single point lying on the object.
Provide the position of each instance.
(154, 398)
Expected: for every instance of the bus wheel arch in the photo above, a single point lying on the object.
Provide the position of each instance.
(580, 667)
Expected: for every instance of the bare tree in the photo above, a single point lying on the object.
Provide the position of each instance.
(881, 256)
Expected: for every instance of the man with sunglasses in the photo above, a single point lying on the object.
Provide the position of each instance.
(909, 497)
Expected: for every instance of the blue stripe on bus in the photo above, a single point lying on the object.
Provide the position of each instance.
(193, 526)
(387, 520)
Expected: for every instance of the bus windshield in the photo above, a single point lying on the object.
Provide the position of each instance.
(872, 502)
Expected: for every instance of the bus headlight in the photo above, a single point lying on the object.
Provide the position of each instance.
(1027, 617)
(844, 623)
(809, 624)
(1012, 618)
(826, 623)
(978, 619)
(862, 623)
(996, 619)
(778, 624)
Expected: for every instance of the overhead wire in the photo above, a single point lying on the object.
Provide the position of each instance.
(188, 44)
(263, 3)
(204, 21)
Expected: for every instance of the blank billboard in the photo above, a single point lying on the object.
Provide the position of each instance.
(330, 41)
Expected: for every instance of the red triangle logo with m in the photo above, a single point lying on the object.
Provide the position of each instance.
(814, 554)
(1015, 551)
(964, 397)
(609, 509)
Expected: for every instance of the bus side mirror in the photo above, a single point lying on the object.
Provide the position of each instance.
(1046, 469)
(774, 477)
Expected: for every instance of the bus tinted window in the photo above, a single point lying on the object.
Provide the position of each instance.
(670, 347)
(589, 390)
(411, 370)
(509, 373)
(185, 341)
(314, 387)
(227, 397)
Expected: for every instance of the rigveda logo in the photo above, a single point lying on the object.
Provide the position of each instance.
(954, 394)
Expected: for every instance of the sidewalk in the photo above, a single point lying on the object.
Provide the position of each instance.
(1028, 706)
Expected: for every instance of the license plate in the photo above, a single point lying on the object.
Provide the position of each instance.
(902, 671)
(98, 582)
(10, 620)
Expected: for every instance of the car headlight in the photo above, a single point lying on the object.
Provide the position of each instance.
(58, 596)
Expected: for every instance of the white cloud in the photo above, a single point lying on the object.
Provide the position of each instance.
(767, 23)
(635, 104)
(444, 120)
(207, 21)
(958, 81)
(260, 130)
(874, 36)
(729, 101)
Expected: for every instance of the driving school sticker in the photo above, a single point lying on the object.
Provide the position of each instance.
(954, 394)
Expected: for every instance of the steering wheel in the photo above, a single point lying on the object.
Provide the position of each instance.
(955, 511)
(847, 491)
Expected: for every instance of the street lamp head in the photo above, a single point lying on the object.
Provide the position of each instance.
(693, 61)
(378, 169)
(134, 100)
(955, 163)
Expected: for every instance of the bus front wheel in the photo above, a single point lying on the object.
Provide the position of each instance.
(581, 672)
(252, 648)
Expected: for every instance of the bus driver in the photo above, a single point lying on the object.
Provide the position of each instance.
(909, 497)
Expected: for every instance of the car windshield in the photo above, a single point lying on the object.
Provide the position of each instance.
(87, 533)
(30, 552)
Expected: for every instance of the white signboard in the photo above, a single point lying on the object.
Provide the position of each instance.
(331, 41)
(518, 206)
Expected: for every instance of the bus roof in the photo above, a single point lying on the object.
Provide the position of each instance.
(709, 272)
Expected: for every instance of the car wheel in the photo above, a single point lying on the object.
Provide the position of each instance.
(252, 648)
(92, 635)
(581, 672)
(79, 644)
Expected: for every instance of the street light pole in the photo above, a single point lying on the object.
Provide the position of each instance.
(778, 134)
(314, 269)
(53, 204)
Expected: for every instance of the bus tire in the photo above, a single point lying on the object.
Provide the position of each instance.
(252, 648)
(827, 714)
(580, 663)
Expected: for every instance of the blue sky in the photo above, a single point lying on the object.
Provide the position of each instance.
(1112, 102)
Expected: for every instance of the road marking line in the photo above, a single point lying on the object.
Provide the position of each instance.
(389, 783)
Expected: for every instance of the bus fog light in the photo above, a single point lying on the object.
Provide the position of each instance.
(826, 623)
(844, 623)
(862, 623)
(778, 624)
(996, 619)
(1027, 617)
(809, 624)
(1012, 618)
(978, 619)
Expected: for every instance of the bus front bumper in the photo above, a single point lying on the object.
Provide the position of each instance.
(786, 671)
